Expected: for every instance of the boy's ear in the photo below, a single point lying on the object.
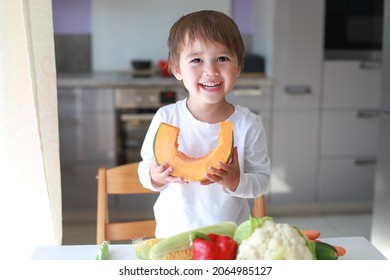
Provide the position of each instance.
(177, 73)
(238, 71)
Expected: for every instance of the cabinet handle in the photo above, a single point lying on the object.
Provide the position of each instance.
(298, 90)
(370, 65)
(365, 161)
(247, 92)
(368, 114)
(136, 117)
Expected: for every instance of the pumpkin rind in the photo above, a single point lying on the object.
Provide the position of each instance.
(166, 149)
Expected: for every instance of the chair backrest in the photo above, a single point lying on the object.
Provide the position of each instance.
(124, 179)
(118, 180)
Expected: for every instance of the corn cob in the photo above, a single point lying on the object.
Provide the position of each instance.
(179, 247)
(185, 254)
(143, 247)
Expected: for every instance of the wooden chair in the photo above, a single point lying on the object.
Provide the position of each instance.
(258, 209)
(124, 179)
(121, 179)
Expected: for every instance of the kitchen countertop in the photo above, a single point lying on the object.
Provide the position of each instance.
(124, 79)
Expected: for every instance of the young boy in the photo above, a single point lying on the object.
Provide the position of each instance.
(206, 53)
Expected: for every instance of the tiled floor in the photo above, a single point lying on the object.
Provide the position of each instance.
(329, 226)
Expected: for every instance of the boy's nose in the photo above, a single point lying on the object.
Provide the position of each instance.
(211, 70)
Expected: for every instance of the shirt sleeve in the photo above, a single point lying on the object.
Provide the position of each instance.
(255, 166)
(147, 154)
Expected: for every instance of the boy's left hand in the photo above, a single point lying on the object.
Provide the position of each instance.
(228, 175)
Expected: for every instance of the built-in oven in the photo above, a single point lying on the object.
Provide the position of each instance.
(134, 110)
(353, 29)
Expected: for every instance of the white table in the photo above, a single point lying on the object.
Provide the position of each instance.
(358, 248)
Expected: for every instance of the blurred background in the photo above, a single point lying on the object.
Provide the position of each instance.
(313, 71)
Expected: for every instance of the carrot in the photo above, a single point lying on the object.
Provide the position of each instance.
(311, 233)
(340, 250)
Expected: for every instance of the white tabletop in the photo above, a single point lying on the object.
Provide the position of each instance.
(358, 248)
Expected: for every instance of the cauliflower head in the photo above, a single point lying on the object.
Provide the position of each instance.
(274, 241)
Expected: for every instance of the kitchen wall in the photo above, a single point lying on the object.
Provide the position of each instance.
(103, 35)
(124, 30)
(72, 16)
(72, 35)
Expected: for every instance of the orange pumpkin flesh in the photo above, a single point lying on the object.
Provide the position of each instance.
(166, 150)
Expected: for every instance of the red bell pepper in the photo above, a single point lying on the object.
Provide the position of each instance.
(213, 247)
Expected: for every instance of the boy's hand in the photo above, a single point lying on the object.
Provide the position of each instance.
(228, 175)
(161, 174)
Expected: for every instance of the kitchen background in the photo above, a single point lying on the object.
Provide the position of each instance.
(321, 111)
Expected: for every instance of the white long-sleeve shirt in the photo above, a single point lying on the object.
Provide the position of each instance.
(183, 207)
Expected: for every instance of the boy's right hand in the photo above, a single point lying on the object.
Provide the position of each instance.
(161, 175)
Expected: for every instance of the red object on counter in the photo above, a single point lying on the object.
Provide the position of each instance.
(213, 247)
(164, 68)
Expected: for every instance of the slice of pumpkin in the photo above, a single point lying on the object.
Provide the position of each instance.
(166, 149)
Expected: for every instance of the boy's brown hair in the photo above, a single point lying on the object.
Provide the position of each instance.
(204, 25)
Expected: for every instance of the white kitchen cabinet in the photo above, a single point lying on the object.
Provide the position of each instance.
(346, 179)
(87, 142)
(349, 133)
(256, 96)
(298, 52)
(290, 34)
(351, 84)
(294, 157)
(349, 129)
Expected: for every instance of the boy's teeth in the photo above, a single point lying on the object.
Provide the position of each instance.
(211, 85)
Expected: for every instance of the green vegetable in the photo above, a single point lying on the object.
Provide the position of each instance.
(182, 241)
(245, 229)
(103, 252)
(325, 251)
(273, 241)
(142, 247)
(309, 243)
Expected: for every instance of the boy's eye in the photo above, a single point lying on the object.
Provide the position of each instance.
(222, 59)
(196, 60)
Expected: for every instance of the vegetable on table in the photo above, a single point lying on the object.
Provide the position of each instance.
(143, 246)
(254, 239)
(267, 240)
(325, 251)
(340, 250)
(245, 229)
(166, 146)
(213, 247)
(179, 246)
(263, 239)
(311, 233)
(103, 252)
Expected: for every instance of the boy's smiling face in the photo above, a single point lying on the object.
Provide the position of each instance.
(208, 70)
